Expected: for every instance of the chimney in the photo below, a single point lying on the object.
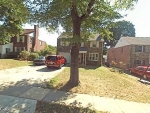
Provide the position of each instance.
(36, 34)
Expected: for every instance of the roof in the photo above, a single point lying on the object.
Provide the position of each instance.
(94, 37)
(82, 49)
(137, 40)
(27, 31)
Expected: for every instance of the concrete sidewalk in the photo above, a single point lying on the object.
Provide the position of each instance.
(24, 98)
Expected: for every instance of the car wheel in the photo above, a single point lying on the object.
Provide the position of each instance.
(144, 77)
(130, 72)
(60, 66)
(48, 66)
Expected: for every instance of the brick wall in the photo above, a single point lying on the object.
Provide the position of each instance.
(120, 54)
(89, 50)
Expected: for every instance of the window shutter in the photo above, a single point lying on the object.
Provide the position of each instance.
(143, 48)
(22, 38)
(67, 43)
(18, 39)
(82, 44)
(90, 44)
(97, 44)
(61, 43)
(15, 49)
(136, 48)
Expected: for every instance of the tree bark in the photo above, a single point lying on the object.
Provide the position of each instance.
(74, 71)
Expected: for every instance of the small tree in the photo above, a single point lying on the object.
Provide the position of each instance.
(32, 56)
(80, 19)
(13, 13)
(24, 55)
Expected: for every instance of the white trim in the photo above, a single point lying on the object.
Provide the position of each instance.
(82, 51)
(91, 55)
(82, 44)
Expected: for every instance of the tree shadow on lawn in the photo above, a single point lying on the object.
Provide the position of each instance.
(24, 90)
(87, 67)
(21, 87)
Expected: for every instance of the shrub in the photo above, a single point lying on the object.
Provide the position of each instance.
(32, 56)
(24, 55)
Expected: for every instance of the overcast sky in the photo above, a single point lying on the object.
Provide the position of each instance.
(140, 17)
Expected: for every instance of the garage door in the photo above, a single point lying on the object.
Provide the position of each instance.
(66, 55)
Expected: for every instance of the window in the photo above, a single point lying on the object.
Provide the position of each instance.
(94, 44)
(18, 49)
(40, 43)
(31, 40)
(64, 43)
(139, 48)
(22, 48)
(7, 50)
(93, 56)
(137, 62)
(20, 39)
(82, 44)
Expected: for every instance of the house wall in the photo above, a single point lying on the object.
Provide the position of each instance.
(3, 49)
(140, 55)
(98, 50)
(120, 54)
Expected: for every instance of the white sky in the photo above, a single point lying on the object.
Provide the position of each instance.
(139, 16)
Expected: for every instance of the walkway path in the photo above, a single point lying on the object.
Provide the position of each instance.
(23, 99)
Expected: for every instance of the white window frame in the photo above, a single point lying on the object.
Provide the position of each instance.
(21, 38)
(93, 56)
(94, 44)
(82, 44)
(8, 50)
(40, 43)
(142, 49)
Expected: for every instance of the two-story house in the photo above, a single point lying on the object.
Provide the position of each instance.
(28, 41)
(132, 51)
(90, 53)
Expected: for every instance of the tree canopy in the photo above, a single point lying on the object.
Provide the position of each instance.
(13, 14)
(121, 28)
(79, 19)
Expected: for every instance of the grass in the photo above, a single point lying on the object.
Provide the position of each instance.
(44, 107)
(103, 82)
(10, 63)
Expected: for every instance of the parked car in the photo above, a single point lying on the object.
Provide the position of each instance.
(55, 61)
(141, 71)
(39, 61)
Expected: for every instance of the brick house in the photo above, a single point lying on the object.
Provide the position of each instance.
(28, 41)
(132, 51)
(90, 53)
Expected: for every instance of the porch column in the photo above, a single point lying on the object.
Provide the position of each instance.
(85, 59)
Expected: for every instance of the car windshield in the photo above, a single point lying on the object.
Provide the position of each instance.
(40, 57)
(51, 58)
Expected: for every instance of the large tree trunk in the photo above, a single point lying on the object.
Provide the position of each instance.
(74, 71)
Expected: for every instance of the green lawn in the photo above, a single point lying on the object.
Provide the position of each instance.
(103, 82)
(10, 63)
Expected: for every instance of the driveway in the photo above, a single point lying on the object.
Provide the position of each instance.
(27, 75)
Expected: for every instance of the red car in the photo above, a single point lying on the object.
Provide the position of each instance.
(142, 71)
(55, 61)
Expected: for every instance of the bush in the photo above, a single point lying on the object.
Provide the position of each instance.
(24, 55)
(32, 56)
